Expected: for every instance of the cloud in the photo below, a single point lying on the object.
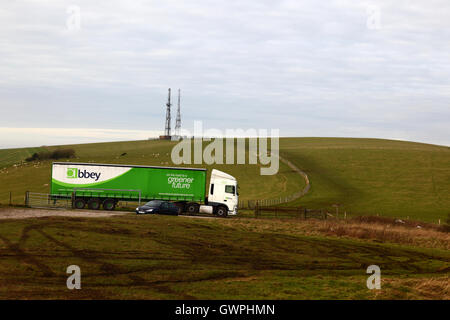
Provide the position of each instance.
(282, 64)
(58, 136)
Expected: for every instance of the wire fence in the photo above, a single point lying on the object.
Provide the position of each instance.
(251, 204)
(46, 201)
(289, 212)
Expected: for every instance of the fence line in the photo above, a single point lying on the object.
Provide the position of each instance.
(262, 208)
(251, 204)
(46, 201)
(289, 212)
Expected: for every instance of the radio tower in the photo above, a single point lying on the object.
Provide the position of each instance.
(167, 130)
(178, 121)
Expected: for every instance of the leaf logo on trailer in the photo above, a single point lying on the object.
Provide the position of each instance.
(73, 173)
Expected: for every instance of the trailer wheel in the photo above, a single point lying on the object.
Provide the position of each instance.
(94, 204)
(192, 208)
(79, 203)
(109, 204)
(222, 212)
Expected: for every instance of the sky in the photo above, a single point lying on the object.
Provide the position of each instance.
(86, 71)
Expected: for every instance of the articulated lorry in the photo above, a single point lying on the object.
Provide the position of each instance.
(103, 185)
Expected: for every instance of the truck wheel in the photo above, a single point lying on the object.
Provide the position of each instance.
(94, 204)
(222, 212)
(79, 203)
(192, 208)
(109, 204)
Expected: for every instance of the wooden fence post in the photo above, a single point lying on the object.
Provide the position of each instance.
(10, 198)
(72, 199)
(26, 198)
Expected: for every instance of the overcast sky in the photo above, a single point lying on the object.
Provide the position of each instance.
(309, 68)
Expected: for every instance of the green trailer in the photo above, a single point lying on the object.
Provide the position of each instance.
(98, 185)
(93, 183)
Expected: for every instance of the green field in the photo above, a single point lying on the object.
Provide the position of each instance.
(364, 176)
(373, 176)
(9, 157)
(161, 257)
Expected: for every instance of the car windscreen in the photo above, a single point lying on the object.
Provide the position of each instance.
(153, 203)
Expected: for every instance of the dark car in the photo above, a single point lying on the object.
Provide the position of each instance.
(159, 207)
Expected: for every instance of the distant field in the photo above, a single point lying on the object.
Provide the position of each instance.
(9, 157)
(160, 257)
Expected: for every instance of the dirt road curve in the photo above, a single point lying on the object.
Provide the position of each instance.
(19, 213)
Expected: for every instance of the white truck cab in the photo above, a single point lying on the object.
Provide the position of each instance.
(223, 190)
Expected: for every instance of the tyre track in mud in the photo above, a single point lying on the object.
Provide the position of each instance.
(108, 268)
(27, 258)
(115, 270)
(333, 249)
(259, 262)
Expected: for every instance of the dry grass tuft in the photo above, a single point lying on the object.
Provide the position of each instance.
(368, 228)
(430, 236)
(425, 288)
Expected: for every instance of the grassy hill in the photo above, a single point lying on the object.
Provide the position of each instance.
(374, 176)
(10, 157)
(163, 257)
(364, 176)
(18, 176)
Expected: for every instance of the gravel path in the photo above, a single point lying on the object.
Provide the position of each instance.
(23, 213)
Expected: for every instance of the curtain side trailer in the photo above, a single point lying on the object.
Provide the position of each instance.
(98, 185)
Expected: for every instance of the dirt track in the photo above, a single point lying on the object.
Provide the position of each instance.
(19, 213)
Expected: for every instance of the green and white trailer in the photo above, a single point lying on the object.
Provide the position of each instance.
(103, 185)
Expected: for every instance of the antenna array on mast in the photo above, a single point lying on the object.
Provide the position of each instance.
(178, 120)
(167, 129)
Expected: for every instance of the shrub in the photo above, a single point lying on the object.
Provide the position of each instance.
(56, 154)
(62, 153)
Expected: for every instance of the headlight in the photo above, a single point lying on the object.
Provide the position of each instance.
(137, 209)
